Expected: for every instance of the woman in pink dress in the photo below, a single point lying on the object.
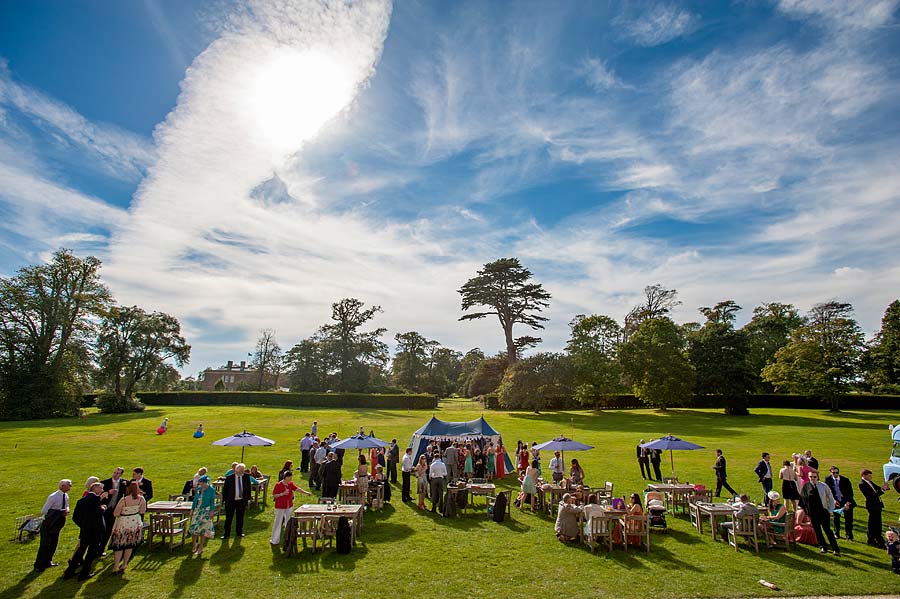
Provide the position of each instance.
(501, 461)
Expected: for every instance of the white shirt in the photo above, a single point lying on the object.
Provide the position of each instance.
(55, 501)
(556, 465)
(438, 469)
(320, 455)
(407, 465)
(305, 443)
(238, 480)
(825, 495)
(314, 429)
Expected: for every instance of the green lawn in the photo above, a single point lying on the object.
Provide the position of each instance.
(404, 552)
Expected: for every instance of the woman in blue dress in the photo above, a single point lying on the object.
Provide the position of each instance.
(202, 526)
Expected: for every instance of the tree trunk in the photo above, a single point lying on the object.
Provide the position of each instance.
(511, 354)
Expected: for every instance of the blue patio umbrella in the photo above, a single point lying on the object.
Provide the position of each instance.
(562, 444)
(671, 443)
(359, 442)
(243, 440)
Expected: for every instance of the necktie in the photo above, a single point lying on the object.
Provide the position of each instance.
(237, 491)
(837, 490)
(65, 502)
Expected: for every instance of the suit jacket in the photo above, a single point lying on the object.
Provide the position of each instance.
(111, 501)
(331, 474)
(229, 487)
(872, 493)
(450, 455)
(762, 468)
(812, 462)
(394, 454)
(639, 450)
(720, 468)
(88, 515)
(846, 490)
(655, 456)
(812, 501)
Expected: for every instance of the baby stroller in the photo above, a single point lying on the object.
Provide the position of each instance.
(656, 507)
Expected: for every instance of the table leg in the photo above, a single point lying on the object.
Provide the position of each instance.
(712, 525)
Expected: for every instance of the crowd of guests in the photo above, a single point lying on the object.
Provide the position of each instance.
(110, 512)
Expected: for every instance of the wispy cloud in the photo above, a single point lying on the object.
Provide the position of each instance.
(117, 152)
(866, 14)
(658, 24)
(599, 75)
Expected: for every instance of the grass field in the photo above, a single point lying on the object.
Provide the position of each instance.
(408, 553)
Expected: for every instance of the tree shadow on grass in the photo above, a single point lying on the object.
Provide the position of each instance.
(687, 422)
(681, 537)
(91, 421)
(307, 561)
(151, 561)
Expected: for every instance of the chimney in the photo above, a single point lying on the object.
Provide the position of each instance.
(243, 364)
(230, 364)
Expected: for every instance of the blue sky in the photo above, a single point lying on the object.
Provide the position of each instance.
(242, 165)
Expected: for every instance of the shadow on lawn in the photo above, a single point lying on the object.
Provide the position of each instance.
(687, 423)
(187, 575)
(307, 561)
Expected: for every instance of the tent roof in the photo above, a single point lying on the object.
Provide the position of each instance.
(472, 428)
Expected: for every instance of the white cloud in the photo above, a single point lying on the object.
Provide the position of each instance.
(119, 153)
(599, 75)
(659, 24)
(866, 14)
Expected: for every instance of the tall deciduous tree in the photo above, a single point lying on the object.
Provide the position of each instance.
(133, 345)
(882, 359)
(822, 356)
(768, 331)
(503, 288)
(487, 376)
(46, 323)
(410, 367)
(468, 364)
(655, 363)
(308, 366)
(536, 381)
(657, 303)
(267, 360)
(594, 346)
(719, 356)
(353, 351)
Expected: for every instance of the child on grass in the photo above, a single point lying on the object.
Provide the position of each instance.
(893, 549)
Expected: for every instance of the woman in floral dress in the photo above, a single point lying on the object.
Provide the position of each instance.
(128, 530)
(202, 526)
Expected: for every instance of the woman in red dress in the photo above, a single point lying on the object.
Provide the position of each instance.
(523, 460)
(501, 461)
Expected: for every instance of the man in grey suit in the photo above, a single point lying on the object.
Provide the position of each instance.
(450, 456)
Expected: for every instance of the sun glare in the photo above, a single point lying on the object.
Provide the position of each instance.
(298, 92)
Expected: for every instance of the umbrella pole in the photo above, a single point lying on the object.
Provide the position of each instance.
(672, 462)
(242, 454)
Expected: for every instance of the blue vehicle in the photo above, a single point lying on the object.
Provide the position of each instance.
(892, 468)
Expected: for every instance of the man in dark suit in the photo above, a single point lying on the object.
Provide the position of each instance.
(843, 497)
(643, 458)
(873, 493)
(655, 460)
(817, 500)
(763, 472)
(236, 495)
(810, 460)
(721, 474)
(393, 456)
(331, 476)
(113, 489)
(144, 484)
(88, 516)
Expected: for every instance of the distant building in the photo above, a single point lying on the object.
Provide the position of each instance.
(232, 376)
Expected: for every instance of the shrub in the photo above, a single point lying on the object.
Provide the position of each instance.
(296, 400)
(110, 404)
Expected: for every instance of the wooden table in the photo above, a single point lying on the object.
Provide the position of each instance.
(333, 512)
(174, 507)
(713, 511)
(672, 492)
(555, 493)
(603, 512)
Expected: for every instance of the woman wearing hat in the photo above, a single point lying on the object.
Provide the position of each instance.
(202, 526)
(774, 524)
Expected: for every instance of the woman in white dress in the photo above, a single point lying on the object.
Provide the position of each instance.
(128, 531)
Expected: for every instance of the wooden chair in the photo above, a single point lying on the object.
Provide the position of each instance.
(492, 501)
(704, 496)
(786, 536)
(637, 525)
(746, 527)
(600, 527)
(696, 518)
(327, 531)
(308, 527)
(354, 497)
(167, 526)
(670, 480)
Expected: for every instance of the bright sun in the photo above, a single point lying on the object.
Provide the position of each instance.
(298, 92)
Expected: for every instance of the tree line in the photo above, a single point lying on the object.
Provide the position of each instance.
(62, 334)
